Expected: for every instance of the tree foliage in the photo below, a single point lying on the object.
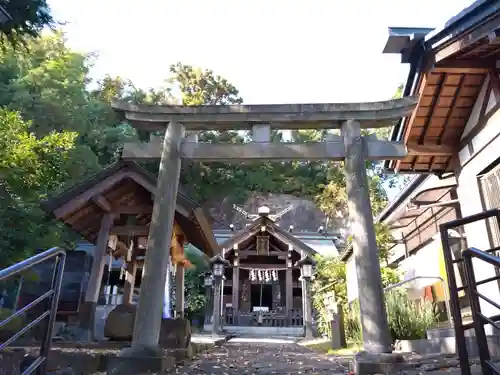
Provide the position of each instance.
(58, 126)
(28, 19)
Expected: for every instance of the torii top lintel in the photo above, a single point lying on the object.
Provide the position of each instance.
(279, 116)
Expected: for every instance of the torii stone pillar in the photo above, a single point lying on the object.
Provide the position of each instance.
(374, 324)
(149, 310)
(351, 148)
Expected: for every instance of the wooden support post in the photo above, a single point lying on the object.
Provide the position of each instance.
(289, 287)
(130, 274)
(87, 310)
(179, 291)
(149, 310)
(236, 287)
(376, 338)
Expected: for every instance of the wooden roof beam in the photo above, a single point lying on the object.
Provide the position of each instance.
(129, 230)
(81, 199)
(103, 203)
(465, 66)
(490, 32)
(415, 149)
(137, 209)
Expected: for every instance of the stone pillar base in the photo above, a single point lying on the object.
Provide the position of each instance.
(86, 315)
(140, 361)
(377, 363)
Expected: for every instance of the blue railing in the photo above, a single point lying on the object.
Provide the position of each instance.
(52, 296)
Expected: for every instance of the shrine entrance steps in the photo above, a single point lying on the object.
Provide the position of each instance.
(257, 331)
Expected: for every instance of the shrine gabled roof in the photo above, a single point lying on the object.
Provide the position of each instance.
(448, 67)
(249, 233)
(125, 184)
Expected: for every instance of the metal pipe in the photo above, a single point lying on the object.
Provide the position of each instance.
(446, 296)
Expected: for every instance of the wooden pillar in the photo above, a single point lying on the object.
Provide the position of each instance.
(179, 291)
(376, 338)
(87, 310)
(236, 287)
(303, 291)
(130, 274)
(289, 287)
(149, 310)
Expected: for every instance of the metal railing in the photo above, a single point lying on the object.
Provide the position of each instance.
(52, 296)
(454, 289)
(479, 319)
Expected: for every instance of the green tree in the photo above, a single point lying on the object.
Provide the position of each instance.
(28, 19)
(54, 132)
(28, 165)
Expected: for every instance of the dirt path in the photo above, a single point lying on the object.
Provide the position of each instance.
(259, 357)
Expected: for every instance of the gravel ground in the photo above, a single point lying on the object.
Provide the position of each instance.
(244, 357)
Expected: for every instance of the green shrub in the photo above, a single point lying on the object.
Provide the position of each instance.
(352, 324)
(14, 325)
(409, 320)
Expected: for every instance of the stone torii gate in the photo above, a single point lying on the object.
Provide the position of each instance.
(350, 147)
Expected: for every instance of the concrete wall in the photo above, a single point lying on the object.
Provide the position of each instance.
(479, 153)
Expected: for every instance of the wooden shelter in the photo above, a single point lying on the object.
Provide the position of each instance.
(114, 210)
(126, 190)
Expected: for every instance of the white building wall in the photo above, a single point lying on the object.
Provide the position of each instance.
(483, 150)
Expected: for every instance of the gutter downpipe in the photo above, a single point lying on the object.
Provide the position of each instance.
(443, 282)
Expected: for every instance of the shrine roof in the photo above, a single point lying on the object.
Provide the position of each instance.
(285, 239)
(126, 189)
(280, 116)
(448, 68)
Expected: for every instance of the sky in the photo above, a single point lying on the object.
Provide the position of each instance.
(272, 51)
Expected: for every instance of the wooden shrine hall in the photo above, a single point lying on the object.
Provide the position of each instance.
(263, 291)
(113, 209)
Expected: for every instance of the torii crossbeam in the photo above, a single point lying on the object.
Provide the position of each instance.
(351, 147)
